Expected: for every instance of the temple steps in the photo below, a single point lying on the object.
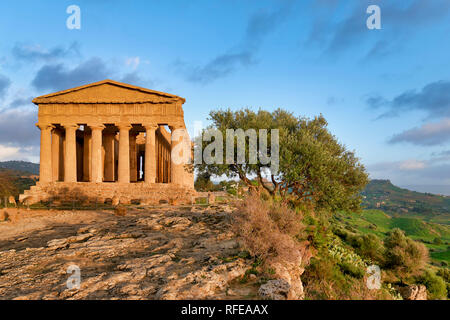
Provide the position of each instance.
(126, 193)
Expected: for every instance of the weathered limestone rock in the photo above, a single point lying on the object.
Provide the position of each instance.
(291, 273)
(12, 200)
(176, 223)
(414, 292)
(57, 244)
(4, 216)
(211, 198)
(205, 283)
(63, 243)
(115, 201)
(275, 290)
(161, 253)
(120, 211)
(227, 209)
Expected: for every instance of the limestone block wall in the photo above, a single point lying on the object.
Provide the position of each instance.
(143, 193)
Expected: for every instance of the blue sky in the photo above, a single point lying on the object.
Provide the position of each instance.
(385, 93)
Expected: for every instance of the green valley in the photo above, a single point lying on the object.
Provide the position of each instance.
(398, 202)
(435, 236)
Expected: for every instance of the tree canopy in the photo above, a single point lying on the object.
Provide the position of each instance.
(312, 166)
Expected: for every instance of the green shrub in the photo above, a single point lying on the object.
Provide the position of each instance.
(327, 279)
(201, 201)
(351, 269)
(355, 240)
(341, 233)
(320, 279)
(368, 246)
(317, 229)
(371, 247)
(436, 286)
(404, 256)
(444, 273)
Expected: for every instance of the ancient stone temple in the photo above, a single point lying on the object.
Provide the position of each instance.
(110, 140)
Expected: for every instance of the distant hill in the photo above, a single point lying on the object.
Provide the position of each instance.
(14, 182)
(383, 195)
(379, 223)
(24, 166)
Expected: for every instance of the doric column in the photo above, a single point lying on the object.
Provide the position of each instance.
(109, 156)
(70, 159)
(45, 163)
(133, 157)
(124, 153)
(87, 147)
(150, 153)
(57, 147)
(96, 153)
(176, 158)
(158, 159)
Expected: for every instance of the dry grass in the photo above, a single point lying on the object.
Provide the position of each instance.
(120, 211)
(270, 230)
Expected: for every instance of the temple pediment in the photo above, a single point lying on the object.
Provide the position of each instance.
(108, 91)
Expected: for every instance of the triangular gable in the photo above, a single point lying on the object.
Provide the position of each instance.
(108, 91)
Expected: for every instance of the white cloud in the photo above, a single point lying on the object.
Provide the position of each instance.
(30, 153)
(413, 172)
(35, 52)
(429, 134)
(9, 153)
(133, 62)
(411, 165)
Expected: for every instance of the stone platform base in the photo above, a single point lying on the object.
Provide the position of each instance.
(125, 193)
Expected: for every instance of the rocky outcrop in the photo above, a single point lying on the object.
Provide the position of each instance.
(12, 200)
(4, 215)
(275, 290)
(414, 292)
(164, 253)
(289, 273)
(211, 198)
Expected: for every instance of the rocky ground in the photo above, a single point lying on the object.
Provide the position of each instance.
(150, 253)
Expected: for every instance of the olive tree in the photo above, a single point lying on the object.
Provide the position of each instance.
(312, 167)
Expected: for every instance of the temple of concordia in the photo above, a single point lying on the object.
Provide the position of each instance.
(111, 140)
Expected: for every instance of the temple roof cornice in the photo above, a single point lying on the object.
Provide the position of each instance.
(109, 92)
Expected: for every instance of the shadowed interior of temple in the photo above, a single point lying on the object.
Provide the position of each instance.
(110, 153)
